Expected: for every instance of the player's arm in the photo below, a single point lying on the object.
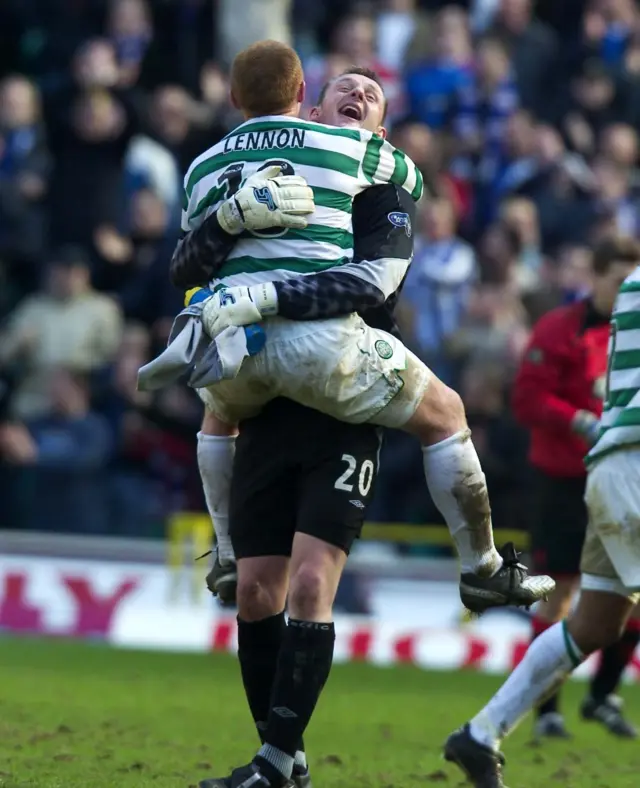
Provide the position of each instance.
(267, 199)
(535, 399)
(200, 253)
(383, 218)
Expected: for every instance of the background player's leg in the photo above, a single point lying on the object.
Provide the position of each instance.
(307, 649)
(597, 622)
(216, 449)
(602, 705)
(556, 608)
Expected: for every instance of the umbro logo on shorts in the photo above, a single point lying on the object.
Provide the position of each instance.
(357, 504)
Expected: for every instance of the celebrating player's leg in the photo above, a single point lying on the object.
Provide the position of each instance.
(558, 395)
(293, 521)
(610, 563)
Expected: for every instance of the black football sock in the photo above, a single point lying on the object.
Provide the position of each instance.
(258, 649)
(550, 705)
(303, 669)
(613, 661)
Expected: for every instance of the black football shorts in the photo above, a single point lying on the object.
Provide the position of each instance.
(297, 470)
(559, 525)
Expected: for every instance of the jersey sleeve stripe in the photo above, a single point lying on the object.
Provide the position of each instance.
(401, 169)
(271, 125)
(418, 188)
(312, 157)
(372, 158)
(632, 286)
(313, 233)
(249, 264)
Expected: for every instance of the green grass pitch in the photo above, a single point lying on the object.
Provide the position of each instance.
(74, 715)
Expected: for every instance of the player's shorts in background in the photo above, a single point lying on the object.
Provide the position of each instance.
(297, 470)
(559, 525)
(611, 554)
(341, 367)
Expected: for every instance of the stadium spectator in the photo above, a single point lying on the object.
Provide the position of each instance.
(479, 119)
(401, 30)
(354, 42)
(25, 166)
(534, 49)
(130, 31)
(91, 124)
(244, 21)
(62, 455)
(433, 83)
(68, 324)
(438, 287)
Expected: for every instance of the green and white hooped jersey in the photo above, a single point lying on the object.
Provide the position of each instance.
(337, 163)
(620, 423)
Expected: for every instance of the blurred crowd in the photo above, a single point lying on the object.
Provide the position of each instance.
(521, 115)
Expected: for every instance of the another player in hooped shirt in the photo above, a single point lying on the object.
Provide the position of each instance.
(610, 562)
(558, 395)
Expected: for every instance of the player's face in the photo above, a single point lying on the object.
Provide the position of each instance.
(352, 101)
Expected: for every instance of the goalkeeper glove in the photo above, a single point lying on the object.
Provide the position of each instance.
(239, 306)
(267, 199)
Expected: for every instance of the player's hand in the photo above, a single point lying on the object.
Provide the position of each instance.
(587, 426)
(267, 199)
(239, 306)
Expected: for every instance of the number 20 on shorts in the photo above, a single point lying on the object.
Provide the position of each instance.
(365, 477)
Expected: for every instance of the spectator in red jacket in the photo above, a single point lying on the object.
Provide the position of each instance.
(558, 396)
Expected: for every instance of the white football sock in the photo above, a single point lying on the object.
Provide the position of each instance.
(215, 461)
(459, 490)
(300, 761)
(550, 658)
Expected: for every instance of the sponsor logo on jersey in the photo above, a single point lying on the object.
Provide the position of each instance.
(383, 349)
(401, 220)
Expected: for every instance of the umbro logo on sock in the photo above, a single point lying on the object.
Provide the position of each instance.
(283, 711)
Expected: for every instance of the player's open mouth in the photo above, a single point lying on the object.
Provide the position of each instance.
(351, 111)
